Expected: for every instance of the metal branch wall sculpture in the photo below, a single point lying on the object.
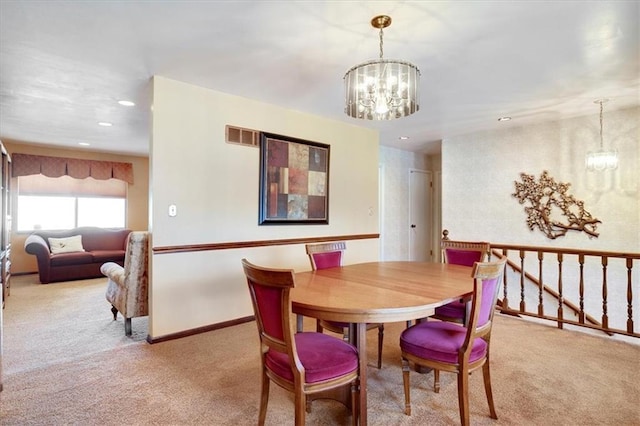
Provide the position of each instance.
(549, 202)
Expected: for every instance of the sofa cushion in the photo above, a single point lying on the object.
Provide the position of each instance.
(75, 258)
(103, 256)
(66, 245)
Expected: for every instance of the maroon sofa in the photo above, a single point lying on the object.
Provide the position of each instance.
(100, 245)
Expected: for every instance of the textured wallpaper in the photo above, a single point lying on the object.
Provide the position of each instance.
(480, 169)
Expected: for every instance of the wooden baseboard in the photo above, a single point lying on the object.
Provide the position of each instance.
(199, 330)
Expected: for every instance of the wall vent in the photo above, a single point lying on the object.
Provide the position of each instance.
(241, 136)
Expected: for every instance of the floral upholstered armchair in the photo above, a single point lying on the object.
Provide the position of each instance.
(128, 286)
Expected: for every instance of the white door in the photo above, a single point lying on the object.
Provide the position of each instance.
(420, 242)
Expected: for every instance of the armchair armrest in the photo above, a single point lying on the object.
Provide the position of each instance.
(114, 272)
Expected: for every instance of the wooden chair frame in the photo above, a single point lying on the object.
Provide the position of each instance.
(479, 246)
(284, 278)
(481, 271)
(328, 325)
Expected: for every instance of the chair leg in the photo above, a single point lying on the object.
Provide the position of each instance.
(355, 404)
(463, 396)
(300, 409)
(318, 327)
(380, 342)
(114, 311)
(436, 380)
(127, 326)
(264, 398)
(407, 387)
(487, 389)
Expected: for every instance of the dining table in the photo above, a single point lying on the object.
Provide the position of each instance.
(377, 292)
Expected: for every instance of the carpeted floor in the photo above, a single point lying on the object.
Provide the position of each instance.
(67, 362)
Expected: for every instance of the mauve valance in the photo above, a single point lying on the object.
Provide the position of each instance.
(24, 165)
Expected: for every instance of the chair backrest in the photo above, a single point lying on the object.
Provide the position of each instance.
(269, 290)
(487, 280)
(136, 261)
(326, 255)
(463, 252)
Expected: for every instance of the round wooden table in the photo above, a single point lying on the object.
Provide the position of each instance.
(378, 292)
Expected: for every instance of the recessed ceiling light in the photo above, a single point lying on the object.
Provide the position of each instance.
(504, 118)
(126, 103)
(105, 124)
(404, 138)
(84, 143)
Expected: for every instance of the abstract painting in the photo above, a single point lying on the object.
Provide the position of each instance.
(294, 181)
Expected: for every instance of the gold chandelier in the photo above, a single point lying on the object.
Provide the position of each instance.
(601, 160)
(382, 89)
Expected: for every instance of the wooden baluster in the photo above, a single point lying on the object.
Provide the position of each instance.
(629, 297)
(523, 307)
(581, 313)
(560, 298)
(541, 285)
(505, 299)
(605, 317)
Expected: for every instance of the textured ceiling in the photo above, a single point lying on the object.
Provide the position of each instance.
(63, 65)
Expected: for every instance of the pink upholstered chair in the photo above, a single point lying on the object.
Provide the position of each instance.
(459, 253)
(447, 346)
(329, 255)
(303, 363)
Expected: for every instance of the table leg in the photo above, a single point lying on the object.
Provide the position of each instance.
(358, 337)
(299, 321)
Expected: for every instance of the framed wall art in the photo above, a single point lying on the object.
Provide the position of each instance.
(294, 181)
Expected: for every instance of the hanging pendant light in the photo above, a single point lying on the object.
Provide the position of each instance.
(382, 89)
(601, 160)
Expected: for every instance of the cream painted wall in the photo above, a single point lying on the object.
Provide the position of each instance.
(137, 194)
(215, 188)
(479, 172)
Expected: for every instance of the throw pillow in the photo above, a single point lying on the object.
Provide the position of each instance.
(66, 245)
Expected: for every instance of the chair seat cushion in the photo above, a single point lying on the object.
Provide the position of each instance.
(455, 310)
(439, 341)
(323, 357)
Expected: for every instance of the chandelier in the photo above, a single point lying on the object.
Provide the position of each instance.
(381, 89)
(601, 160)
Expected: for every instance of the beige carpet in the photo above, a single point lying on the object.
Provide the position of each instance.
(67, 362)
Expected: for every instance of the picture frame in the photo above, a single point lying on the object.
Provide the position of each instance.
(294, 181)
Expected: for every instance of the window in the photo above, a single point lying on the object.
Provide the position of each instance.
(66, 203)
(58, 212)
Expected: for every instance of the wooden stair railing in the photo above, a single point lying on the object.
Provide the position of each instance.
(504, 302)
(574, 292)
